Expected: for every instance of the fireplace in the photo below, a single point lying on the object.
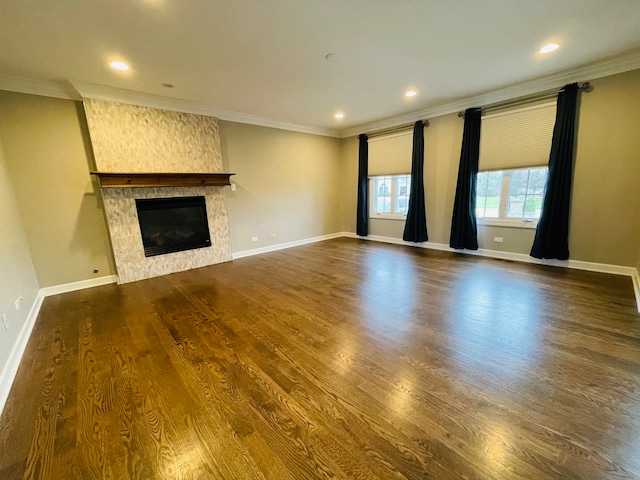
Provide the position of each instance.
(173, 224)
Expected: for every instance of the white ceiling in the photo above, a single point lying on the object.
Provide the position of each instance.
(266, 58)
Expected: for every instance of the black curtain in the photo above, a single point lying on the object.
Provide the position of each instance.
(415, 228)
(362, 221)
(552, 234)
(464, 231)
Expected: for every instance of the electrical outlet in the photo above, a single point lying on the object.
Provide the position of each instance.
(5, 321)
(272, 235)
(498, 239)
(233, 187)
(254, 239)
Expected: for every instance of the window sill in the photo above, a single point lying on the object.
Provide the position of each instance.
(387, 216)
(503, 222)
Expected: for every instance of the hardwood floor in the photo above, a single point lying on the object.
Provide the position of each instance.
(342, 359)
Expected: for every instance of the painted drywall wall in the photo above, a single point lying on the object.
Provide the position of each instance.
(48, 158)
(605, 223)
(17, 275)
(605, 226)
(348, 182)
(286, 185)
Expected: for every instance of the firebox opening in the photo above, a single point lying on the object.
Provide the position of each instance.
(173, 224)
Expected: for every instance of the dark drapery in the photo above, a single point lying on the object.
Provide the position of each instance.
(464, 231)
(552, 234)
(415, 228)
(362, 221)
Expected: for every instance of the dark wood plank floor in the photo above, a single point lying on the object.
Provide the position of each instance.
(342, 359)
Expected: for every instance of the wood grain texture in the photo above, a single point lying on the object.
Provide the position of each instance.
(150, 180)
(343, 359)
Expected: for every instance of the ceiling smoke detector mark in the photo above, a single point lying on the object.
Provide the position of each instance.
(167, 85)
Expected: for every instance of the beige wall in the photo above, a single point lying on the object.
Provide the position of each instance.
(605, 212)
(17, 275)
(605, 225)
(288, 184)
(48, 159)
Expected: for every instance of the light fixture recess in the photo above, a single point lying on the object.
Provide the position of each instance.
(119, 66)
(549, 47)
(410, 93)
(339, 115)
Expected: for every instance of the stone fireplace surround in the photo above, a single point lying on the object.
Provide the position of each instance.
(134, 139)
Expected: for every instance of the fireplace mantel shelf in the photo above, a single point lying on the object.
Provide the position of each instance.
(148, 180)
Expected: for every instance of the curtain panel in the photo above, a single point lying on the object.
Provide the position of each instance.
(415, 228)
(552, 235)
(362, 211)
(464, 231)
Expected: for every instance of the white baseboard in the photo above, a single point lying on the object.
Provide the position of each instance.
(282, 246)
(10, 368)
(520, 257)
(635, 278)
(81, 285)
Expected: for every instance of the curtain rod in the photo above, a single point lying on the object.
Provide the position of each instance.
(396, 129)
(531, 98)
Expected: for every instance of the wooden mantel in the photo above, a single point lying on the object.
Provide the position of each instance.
(147, 180)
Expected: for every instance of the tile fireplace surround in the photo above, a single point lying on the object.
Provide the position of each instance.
(134, 139)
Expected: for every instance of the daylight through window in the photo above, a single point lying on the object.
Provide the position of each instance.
(511, 194)
(390, 195)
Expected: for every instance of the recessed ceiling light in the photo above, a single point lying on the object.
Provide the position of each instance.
(339, 115)
(410, 93)
(550, 47)
(119, 66)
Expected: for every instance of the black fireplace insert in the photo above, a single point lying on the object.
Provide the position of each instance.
(173, 224)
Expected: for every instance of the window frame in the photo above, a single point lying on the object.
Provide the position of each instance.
(393, 215)
(503, 220)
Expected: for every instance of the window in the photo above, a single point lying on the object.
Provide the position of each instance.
(511, 196)
(390, 195)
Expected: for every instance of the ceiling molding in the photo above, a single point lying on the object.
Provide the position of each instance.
(75, 90)
(110, 94)
(33, 86)
(620, 64)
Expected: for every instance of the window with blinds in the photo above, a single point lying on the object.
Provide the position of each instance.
(517, 138)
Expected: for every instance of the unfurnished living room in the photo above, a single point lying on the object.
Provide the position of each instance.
(297, 239)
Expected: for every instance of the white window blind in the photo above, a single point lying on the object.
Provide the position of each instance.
(518, 138)
(391, 154)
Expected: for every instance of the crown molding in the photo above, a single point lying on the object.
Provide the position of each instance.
(612, 66)
(34, 86)
(76, 90)
(111, 94)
